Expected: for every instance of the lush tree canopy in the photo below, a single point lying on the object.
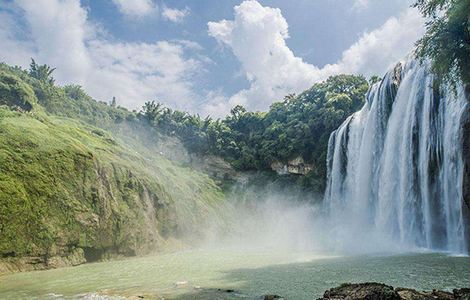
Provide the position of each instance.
(41, 72)
(297, 126)
(447, 38)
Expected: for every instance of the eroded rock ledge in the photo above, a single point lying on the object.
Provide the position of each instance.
(380, 291)
(296, 166)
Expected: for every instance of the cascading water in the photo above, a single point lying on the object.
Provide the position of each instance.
(395, 168)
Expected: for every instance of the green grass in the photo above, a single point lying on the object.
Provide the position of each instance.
(77, 173)
(64, 185)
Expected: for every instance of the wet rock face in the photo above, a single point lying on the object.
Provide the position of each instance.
(462, 294)
(466, 155)
(397, 74)
(379, 291)
(410, 294)
(295, 166)
(72, 257)
(362, 291)
(466, 159)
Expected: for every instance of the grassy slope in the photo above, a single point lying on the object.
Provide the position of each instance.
(66, 185)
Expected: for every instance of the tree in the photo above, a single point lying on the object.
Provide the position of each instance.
(374, 79)
(297, 126)
(41, 72)
(289, 97)
(75, 91)
(151, 111)
(237, 112)
(447, 38)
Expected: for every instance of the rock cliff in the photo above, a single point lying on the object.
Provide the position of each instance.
(296, 166)
(71, 193)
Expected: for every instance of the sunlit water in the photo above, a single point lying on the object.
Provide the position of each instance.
(294, 276)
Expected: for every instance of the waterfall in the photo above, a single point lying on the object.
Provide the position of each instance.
(395, 168)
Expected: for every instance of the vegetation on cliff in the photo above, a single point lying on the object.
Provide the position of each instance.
(71, 184)
(297, 126)
(447, 38)
(66, 185)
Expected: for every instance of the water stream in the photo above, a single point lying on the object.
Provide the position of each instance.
(395, 168)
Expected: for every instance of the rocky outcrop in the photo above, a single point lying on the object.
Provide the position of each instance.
(72, 257)
(410, 294)
(397, 75)
(380, 291)
(296, 166)
(362, 291)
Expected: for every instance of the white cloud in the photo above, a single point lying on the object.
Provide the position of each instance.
(143, 8)
(140, 72)
(13, 50)
(375, 51)
(135, 8)
(59, 34)
(175, 15)
(257, 37)
(360, 4)
(215, 105)
(58, 30)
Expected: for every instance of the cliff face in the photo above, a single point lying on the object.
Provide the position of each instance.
(466, 157)
(296, 166)
(70, 193)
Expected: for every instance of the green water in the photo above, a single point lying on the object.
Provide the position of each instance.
(294, 275)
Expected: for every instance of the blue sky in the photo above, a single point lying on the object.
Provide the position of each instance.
(206, 56)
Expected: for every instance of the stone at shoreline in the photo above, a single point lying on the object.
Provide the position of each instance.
(410, 294)
(380, 291)
(462, 294)
(362, 291)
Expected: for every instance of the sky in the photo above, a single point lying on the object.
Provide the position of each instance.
(206, 56)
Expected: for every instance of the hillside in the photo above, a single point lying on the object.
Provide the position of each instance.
(82, 180)
(71, 192)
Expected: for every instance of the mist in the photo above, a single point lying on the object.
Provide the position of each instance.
(266, 217)
(272, 218)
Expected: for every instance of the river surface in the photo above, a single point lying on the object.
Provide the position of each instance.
(185, 275)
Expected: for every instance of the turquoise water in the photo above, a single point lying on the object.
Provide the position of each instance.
(292, 275)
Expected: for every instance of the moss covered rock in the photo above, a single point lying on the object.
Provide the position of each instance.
(68, 188)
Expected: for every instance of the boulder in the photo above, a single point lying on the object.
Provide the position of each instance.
(380, 291)
(410, 294)
(362, 291)
(462, 294)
